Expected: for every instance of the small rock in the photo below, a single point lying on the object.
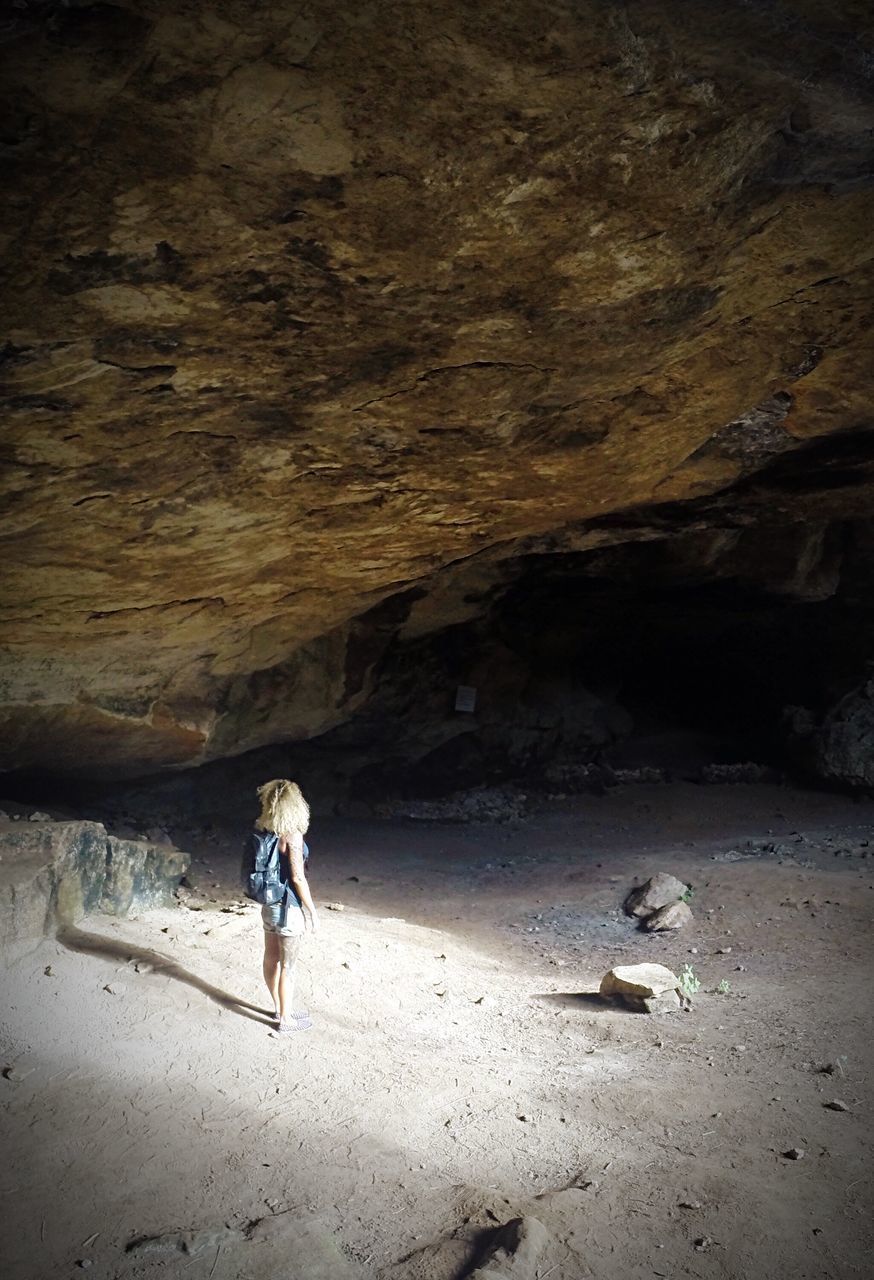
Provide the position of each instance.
(794, 1153)
(659, 891)
(703, 1242)
(84, 1263)
(674, 916)
(836, 1105)
(723, 951)
(690, 1204)
(48, 971)
(334, 906)
(39, 816)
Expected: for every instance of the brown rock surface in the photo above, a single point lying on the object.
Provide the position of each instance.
(302, 312)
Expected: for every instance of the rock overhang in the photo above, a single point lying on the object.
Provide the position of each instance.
(308, 315)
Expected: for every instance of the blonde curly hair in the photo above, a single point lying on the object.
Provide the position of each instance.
(283, 808)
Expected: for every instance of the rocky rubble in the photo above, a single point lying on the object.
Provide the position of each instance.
(744, 772)
(480, 804)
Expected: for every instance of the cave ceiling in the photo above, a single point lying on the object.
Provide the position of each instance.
(312, 306)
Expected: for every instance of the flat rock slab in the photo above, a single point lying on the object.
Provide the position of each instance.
(659, 891)
(638, 981)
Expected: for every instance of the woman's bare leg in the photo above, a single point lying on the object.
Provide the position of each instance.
(288, 949)
(272, 967)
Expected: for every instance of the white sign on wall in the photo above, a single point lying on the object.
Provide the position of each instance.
(465, 698)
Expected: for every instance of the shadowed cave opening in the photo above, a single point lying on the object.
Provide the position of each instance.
(665, 656)
(711, 655)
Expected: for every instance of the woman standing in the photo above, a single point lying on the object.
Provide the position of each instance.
(285, 812)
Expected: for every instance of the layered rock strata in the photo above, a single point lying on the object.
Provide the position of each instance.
(307, 310)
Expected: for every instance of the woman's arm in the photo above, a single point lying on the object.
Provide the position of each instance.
(293, 847)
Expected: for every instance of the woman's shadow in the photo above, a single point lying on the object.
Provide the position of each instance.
(94, 944)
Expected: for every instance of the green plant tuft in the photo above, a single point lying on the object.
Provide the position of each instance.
(689, 984)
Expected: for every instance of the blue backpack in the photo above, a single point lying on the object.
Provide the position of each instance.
(263, 872)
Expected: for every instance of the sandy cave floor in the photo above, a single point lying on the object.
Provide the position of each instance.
(458, 1075)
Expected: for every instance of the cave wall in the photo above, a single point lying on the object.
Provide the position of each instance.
(658, 658)
(311, 307)
(52, 873)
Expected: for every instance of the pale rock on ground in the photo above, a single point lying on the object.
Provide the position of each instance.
(661, 890)
(648, 988)
(638, 980)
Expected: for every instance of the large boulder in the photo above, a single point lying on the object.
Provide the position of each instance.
(53, 873)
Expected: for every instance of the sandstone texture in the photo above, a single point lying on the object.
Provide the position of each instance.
(316, 322)
(54, 873)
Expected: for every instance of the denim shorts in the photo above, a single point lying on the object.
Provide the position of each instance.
(271, 918)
